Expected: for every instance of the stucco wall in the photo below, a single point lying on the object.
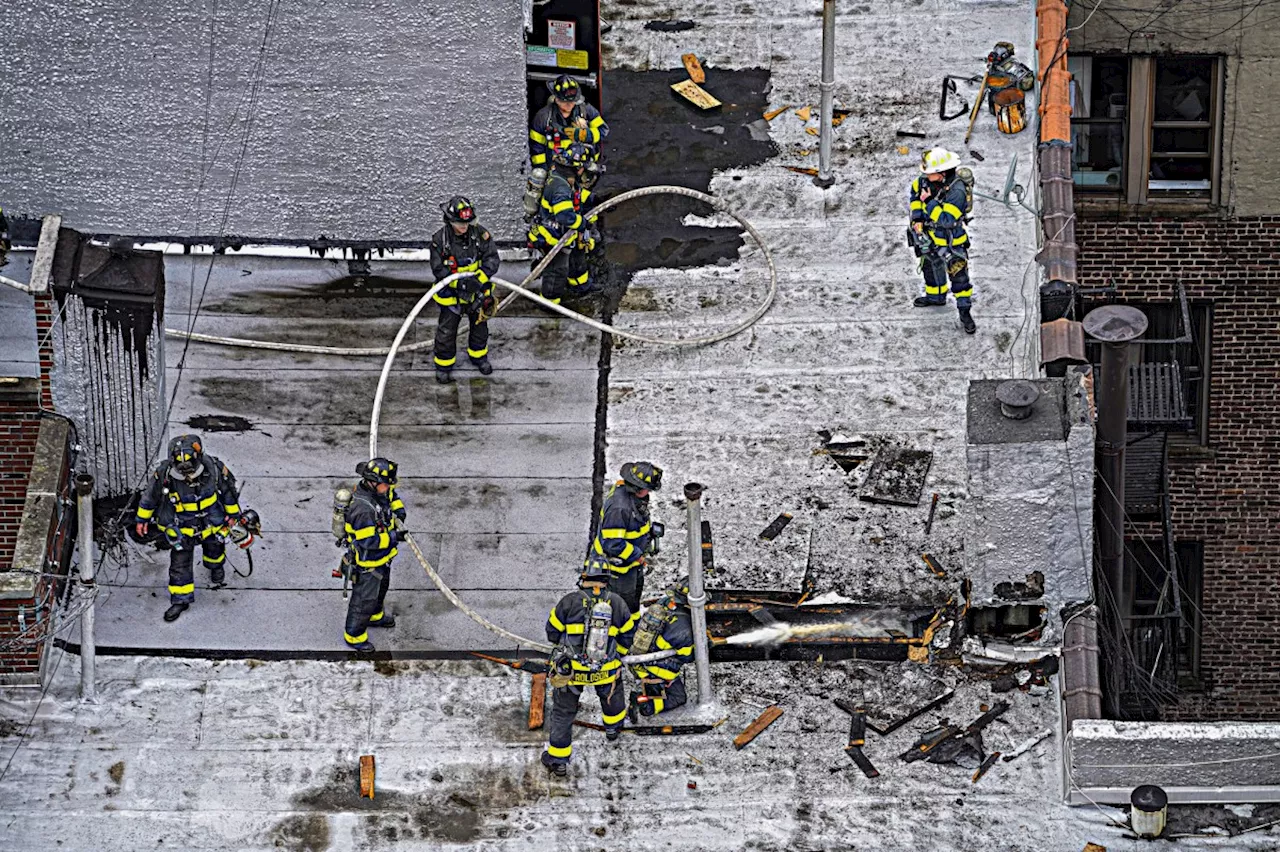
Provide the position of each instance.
(1247, 40)
(368, 114)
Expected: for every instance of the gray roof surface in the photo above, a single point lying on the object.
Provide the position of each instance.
(19, 355)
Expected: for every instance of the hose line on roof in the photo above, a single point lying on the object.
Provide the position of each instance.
(520, 290)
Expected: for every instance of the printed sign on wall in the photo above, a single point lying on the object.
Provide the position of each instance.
(560, 35)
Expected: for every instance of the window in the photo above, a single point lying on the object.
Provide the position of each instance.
(1166, 619)
(1099, 95)
(1165, 323)
(1146, 127)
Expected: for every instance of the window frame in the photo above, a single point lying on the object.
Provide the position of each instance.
(1139, 131)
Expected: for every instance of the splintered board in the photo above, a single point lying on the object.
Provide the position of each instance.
(691, 64)
(366, 776)
(897, 476)
(695, 94)
(537, 701)
(764, 720)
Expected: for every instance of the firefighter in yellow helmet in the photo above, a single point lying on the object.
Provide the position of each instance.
(940, 201)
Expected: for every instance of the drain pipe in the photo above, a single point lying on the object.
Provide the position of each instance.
(1115, 327)
(824, 177)
(88, 648)
(697, 594)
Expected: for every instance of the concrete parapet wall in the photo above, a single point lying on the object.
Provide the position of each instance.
(1191, 761)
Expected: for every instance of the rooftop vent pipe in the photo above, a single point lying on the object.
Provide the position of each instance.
(1150, 809)
(1017, 398)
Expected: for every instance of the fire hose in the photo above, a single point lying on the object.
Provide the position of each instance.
(519, 289)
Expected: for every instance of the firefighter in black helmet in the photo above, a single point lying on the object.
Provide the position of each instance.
(372, 521)
(663, 626)
(591, 629)
(566, 119)
(564, 199)
(462, 245)
(625, 534)
(193, 500)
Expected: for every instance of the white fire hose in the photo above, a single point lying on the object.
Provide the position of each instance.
(518, 289)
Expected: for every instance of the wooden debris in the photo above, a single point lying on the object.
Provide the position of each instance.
(857, 738)
(986, 764)
(774, 113)
(537, 701)
(695, 94)
(839, 115)
(691, 64)
(367, 770)
(800, 170)
(903, 149)
(770, 532)
(1093, 847)
(764, 720)
(804, 112)
(937, 569)
(812, 131)
(694, 759)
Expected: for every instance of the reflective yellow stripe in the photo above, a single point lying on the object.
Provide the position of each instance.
(232, 508)
(188, 589)
(214, 560)
(477, 353)
(377, 617)
(951, 210)
(631, 622)
(916, 204)
(561, 206)
(445, 362)
(575, 629)
(955, 241)
(145, 514)
(360, 534)
(559, 751)
(397, 503)
(441, 299)
(554, 621)
(537, 137)
(665, 674)
(538, 159)
(384, 541)
(374, 563)
(355, 640)
(199, 505)
(607, 667)
(615, 719)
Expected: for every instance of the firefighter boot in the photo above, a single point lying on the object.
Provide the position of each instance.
(444, 375)
(929, 301)
(558, 768)
(172, 613)
(383, 619)
(483, 365)
(365, 647)
(966, 320)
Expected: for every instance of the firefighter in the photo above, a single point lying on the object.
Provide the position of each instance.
(663, 626)
(463, 246)
(625, 534)
(192, 500)
(4, 238)
(591, 630)
(372, 522)
(940, 202)
(563, 200)
(567, 118)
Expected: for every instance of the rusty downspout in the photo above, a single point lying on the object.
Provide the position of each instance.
(1058, 254)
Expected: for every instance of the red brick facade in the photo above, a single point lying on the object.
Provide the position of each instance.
(1229, 495)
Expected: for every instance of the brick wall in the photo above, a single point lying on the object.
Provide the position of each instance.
(1229, 496)
(19, 428)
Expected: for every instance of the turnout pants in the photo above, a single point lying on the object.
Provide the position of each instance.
(936, 271)
(666, 696)
(629, 585)
(564, 707)
(567, 272)
(182, 579)
(368, 591)
(446, 346)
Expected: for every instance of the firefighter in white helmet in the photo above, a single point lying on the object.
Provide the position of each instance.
(940, 202)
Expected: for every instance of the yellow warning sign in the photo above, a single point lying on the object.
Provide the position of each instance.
(572, 59)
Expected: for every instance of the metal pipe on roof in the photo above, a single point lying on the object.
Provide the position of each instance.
(824, 177)
(1115, 326)
(698, 594)
(88, 647)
